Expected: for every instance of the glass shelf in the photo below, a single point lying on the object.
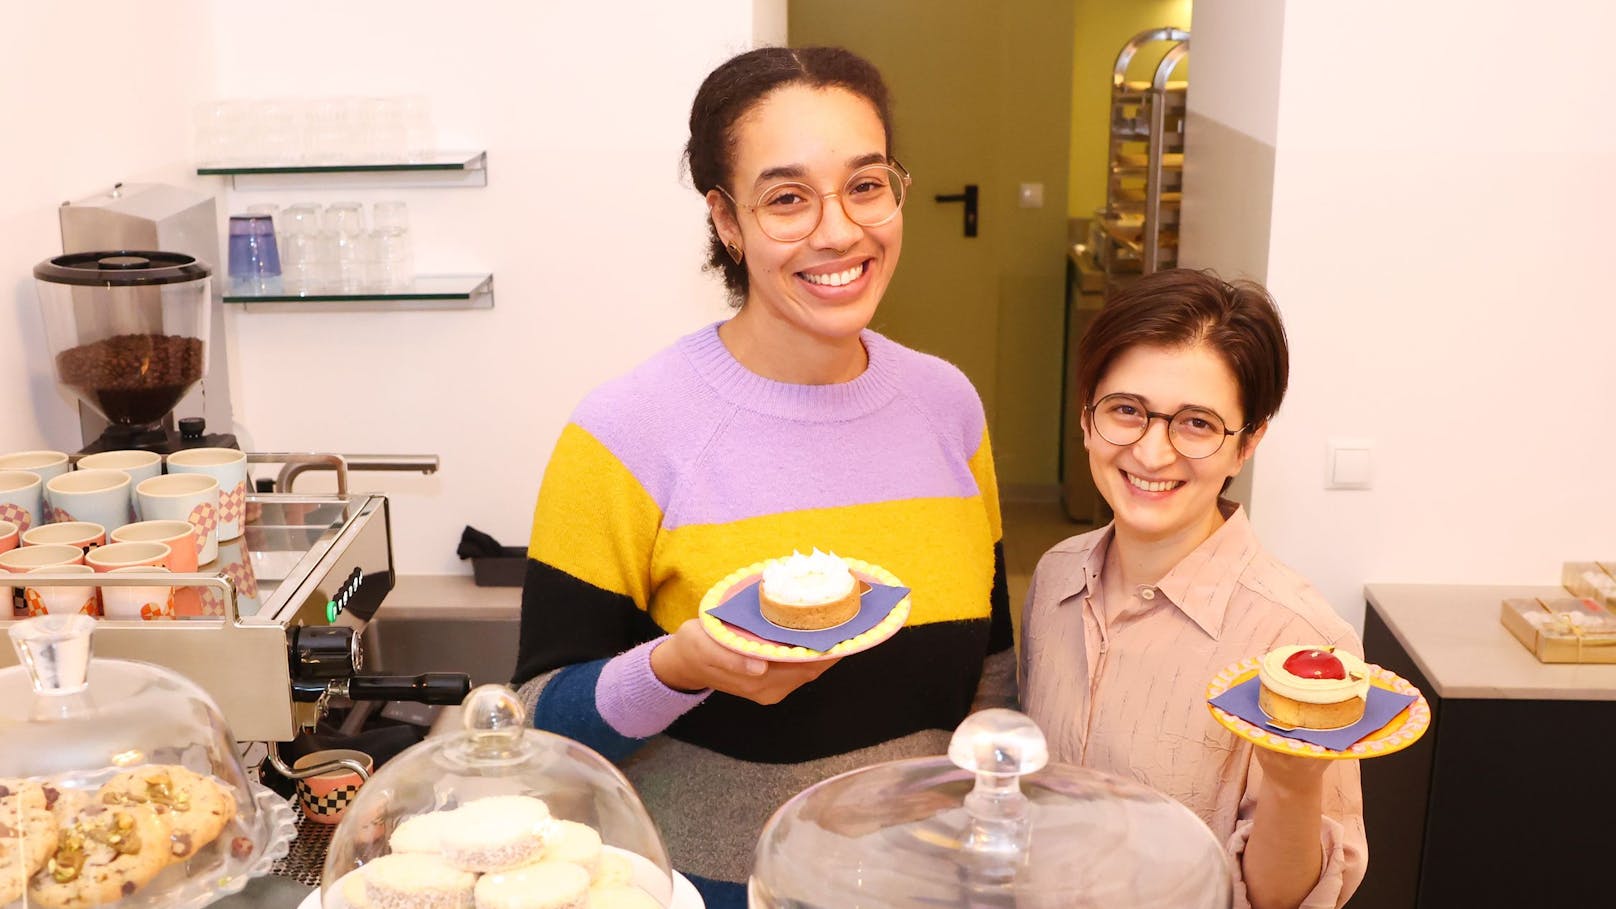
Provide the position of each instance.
(425, 292)
(448, 168)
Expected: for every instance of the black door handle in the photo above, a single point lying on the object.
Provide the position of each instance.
(969, 198)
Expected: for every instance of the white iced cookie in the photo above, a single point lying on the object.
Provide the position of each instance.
(495, 833)
(417, 881)
(352, 888)
(547, 885)
(420, 833)
(612, 870)
(621, 898)
(569, 841)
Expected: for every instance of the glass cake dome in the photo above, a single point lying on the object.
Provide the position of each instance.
(499, 804)
(992, 824)
(120, 783)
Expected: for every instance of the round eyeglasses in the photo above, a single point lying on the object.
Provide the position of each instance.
(787, 212)
(1195, 432)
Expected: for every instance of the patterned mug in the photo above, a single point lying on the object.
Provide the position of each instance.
(325, 796)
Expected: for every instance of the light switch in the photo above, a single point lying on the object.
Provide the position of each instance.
(1350, 464)
(1032, 195)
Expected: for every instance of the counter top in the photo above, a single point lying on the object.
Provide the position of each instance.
(451, 596)
(1455, 637)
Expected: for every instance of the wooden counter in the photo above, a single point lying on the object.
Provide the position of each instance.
(1492, 807)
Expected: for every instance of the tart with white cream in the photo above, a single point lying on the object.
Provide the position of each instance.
(808, 592)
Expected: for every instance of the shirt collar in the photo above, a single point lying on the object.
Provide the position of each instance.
(1202, 583)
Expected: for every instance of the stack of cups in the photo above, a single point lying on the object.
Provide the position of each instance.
(302, 246)
(255, 261)
(392, 259)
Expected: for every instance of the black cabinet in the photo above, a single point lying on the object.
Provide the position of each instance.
(1504, 802)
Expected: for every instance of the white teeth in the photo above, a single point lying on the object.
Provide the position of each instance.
(1153, 486)
(835, 279)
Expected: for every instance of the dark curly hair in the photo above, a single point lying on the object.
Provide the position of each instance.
(739, 84)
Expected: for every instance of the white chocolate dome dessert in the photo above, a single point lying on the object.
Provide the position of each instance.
(1312, 687)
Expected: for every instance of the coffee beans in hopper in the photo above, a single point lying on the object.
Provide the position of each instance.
(133, 379)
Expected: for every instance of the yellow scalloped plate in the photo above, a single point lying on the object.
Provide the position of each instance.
(1400, 731)
(742, 641)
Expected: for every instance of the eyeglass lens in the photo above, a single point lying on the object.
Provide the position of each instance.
(791, 211)
(1195, 432)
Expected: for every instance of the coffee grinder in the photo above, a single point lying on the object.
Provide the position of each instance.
(127, 333)
(139, 312)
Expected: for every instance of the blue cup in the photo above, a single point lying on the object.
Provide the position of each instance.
(255, 263)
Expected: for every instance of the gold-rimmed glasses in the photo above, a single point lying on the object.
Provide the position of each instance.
(1194, 432)
(788, 212)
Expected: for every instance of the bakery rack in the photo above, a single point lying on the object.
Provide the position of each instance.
(1137, 231)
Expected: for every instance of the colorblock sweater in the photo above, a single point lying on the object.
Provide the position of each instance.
(672, 477)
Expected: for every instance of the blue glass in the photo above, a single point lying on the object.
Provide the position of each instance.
(255, 262)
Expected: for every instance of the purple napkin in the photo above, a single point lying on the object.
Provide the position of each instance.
(742, 611)
(1382, 705)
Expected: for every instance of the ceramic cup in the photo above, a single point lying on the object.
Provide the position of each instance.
(98, 496)
(47, 464)
(139, 465)
(190, 497)
(9, 534)
(326, 796)
(229, 467)
(127, 555)
(235, 563)
(82, 534)
(51, 600)
(181, 539)
(21, 498)
(26, 558)
(143, 603)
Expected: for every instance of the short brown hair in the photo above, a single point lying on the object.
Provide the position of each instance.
(734, 88)
(1181, 307)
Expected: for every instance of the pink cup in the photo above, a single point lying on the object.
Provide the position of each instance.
(180, 537)
(8, 536)
(128, 555)
(52, 600)
(82, 534)
(143, 603)
(26, 558)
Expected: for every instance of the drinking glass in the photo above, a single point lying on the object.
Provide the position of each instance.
(255, 263)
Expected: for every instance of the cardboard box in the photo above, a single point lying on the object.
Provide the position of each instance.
(1594, 580)
(1563, 630)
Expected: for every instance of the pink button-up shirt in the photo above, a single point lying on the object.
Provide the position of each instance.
(1122, 687)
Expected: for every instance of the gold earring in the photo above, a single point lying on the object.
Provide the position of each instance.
(734, 252)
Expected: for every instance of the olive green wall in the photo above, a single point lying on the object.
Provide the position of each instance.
(981, 94)
(1101, 28)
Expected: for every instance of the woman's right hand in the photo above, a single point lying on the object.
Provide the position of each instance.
(690, 660)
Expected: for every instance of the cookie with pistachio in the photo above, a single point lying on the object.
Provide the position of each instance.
(27, 835)
(103, 853)
(196, 807)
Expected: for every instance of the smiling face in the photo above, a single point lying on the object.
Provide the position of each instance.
(1159, 495)
(826, 286)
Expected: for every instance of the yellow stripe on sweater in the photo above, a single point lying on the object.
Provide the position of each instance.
(599, 524)
(941, 548)
(987, 480)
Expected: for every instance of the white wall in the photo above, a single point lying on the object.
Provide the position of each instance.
(1440, 238)
(591, 231)
(89, 96)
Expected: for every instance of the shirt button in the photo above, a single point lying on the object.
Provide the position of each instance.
(1148, 593)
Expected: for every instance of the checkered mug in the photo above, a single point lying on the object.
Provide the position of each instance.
(325, 796)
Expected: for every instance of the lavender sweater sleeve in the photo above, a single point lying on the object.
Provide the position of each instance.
(612, 705)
